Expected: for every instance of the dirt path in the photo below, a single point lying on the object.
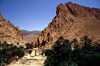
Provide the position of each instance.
(29, 61)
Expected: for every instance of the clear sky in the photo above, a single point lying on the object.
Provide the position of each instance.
(36, 14)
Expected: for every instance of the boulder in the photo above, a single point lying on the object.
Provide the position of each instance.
(33, 53)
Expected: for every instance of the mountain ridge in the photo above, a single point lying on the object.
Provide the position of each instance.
(71, 21)
(10, 33)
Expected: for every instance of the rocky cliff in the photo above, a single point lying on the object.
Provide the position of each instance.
(9, 33)
(71, 21)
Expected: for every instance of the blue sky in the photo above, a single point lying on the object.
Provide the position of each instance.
(36, 14)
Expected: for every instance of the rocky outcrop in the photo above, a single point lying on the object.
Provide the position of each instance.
(9, 33)
(71, 21)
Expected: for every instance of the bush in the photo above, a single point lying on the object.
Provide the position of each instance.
(29, 46)
(49, 52)
(62, 55)
(10, 52)
(94, 60)
(20, 54)
(59, 53)
(1, 56)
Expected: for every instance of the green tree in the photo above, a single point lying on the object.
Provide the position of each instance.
(87, 43)
(22, 48)
(20, 54)
(60, 51)
(66, 43)
(76, 44)
(60, 40)
(58, 44)
(49, 52)
(7, 45)
(4, 44)
(11, 45)
(1, 56)
(62, 55)
(29, 46)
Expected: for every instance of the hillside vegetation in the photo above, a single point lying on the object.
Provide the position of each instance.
(61, 53)
(10, 52)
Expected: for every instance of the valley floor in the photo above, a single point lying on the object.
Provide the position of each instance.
(29, 61)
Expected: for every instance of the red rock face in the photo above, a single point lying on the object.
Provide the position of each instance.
(71, 21)
(9, 33)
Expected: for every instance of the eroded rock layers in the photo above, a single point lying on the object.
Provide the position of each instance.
(10, 33)
(71, 21)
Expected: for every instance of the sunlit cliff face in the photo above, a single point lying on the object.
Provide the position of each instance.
(9, 33)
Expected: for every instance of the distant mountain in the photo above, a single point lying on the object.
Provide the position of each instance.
(28, 35)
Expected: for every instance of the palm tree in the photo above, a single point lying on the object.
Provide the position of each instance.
(29, 46)
(76, 45)
(5, 42)
(1, 56)
(0, 46)
(61, 39)
(75, 41)
(7, 45)
(11, 45)
(0, 43)
(87, 43)
(67, 43)
(58, 44)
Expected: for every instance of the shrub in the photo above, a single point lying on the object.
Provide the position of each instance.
(1, 56)
(58, 54)
(94, 60)
(62, 55)
(20, 54)
(29, 46)
(49, 52)
(9, 52)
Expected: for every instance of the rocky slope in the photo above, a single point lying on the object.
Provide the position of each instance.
(29, 35)
(9, 33)
(71, 21)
